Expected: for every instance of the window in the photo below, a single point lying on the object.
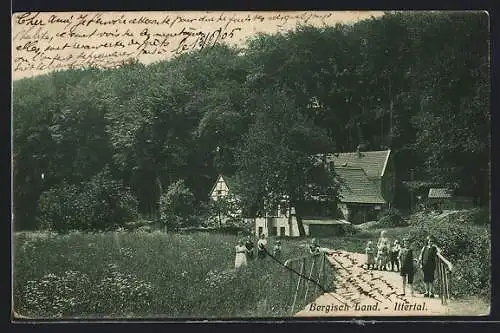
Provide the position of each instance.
(275, 231)
(260, 231)
(219, 193)
(282, 231)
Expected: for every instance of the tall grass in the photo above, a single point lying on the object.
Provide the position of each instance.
(137, 274)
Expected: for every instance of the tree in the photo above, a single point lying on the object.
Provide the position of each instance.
(276, 155)
(177, 205)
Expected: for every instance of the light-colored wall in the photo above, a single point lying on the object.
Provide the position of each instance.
(220, 186)
(278, 222)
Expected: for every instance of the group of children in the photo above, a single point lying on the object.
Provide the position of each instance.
(383, 256)
(400, 258)
(245, 250)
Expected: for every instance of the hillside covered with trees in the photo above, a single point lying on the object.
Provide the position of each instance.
(93, 148)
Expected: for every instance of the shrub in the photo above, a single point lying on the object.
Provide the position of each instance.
(347, 230)
(121, 292)
(56, 296)
(177, 206)
(467, 246)
(100, 204)
(390, 218)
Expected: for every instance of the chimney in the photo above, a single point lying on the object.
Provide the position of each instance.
(358, 150)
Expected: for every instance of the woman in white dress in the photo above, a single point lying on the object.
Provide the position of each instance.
(241, 255)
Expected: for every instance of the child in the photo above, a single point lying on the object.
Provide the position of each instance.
(241, 255)
(314, 247)
(407, 266)
(249, 245)
(261, 247)
(382, 251)
(277, 249)
(370, 255)
(395, 255)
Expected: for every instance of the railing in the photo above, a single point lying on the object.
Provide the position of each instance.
(308, 279)
(443, 268)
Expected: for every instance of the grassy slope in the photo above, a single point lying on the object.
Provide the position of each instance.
(189, 275)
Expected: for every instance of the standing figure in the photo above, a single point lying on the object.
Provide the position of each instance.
(395, 255)
(428, 259)
(314, 247)
(261, 247)
(382, 251)
(277, 249)
(407, 266)
(250, 247)
(370, 255)
(241, 255)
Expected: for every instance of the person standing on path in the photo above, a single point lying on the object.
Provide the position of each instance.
(241, 255)
(395, 256)
(250, 247)
(261, 247)
(407, 267)
(370, 255)
(383, 247)
(428, 260)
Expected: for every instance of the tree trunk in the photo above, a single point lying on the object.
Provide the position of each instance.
(298, 217)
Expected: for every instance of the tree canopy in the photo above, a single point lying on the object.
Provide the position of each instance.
(418, 83)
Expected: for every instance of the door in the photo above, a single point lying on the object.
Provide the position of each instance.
(282, 232)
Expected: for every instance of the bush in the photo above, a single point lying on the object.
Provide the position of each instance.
(100, 204)
(390, 218)
(467, 246)
(56, 296)
(347, 230)
(121, 292)
(177, 206)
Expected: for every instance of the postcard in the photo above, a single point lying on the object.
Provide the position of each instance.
(250, 165)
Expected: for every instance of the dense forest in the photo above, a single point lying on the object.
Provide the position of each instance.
(95, 142)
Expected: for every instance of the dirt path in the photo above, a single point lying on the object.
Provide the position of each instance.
(362, 292)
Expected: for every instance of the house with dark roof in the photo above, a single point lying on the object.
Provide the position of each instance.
(367, 183)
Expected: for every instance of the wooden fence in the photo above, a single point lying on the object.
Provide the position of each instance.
(443, 269)
(309, 276)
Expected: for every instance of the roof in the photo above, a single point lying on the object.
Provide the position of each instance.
(326, 221)
(372, 162)
(356, 187)
(440, 193)
(227, 179)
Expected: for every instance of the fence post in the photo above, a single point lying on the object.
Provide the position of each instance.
(308, 283)
(298, 286)
(323, 270)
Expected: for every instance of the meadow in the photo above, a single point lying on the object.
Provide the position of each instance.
(140, 275)
(134, 274)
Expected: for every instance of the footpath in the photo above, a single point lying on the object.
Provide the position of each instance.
(361, 292)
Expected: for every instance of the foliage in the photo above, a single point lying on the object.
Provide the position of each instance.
(390, 217)
(223, 210)
(394, 81)
(177, 205)
(71, 298)
(97, 205)
(466, 246)
(138, 274)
